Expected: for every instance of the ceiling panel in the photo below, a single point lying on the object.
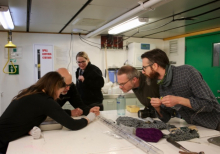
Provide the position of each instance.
(105, 10)
(52, 15)
(163, 14)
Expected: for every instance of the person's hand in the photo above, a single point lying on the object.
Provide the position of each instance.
(35, 132)
(155, 102)
(81, 78)
(169, 100)
(76, 112)
(90, 117)
(95, 110)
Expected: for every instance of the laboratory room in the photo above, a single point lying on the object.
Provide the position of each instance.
(109, 77)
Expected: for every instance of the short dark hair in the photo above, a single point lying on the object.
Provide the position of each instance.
(130, 71)
(157, 56)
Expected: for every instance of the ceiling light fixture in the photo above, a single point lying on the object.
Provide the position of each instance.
(127, 25)
(147, 6)
(5, 18)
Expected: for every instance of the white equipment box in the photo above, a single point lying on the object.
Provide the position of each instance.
(135, 50)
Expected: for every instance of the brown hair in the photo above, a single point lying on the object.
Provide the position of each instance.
(82, 54)
(130, 71)
(50, 82)
(157, 56)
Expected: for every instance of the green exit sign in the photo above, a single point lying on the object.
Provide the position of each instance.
(12, 71)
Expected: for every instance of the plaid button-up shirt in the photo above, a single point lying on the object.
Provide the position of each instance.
(187, 82)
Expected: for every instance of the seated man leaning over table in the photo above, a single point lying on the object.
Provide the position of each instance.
(129, 78)
(181, 88)
(71, 94)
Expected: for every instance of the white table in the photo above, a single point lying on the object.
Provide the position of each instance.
(93, 140)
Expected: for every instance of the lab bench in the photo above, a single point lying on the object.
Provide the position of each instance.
(93, 140)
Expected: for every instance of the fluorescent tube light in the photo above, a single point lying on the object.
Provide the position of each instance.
(5, 18)
(127, 25)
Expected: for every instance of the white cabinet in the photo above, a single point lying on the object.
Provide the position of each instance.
(135, 50)
(109, 104)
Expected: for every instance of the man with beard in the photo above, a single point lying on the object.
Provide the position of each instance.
(129, 78)
(181, 88)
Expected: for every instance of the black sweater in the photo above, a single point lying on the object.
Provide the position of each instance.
(90, 89)
(74, 99)
(29, 111)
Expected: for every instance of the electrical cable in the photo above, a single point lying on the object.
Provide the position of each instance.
(186, 11)
(70, 50)
(187, 18)
(148, 30)
(88, 40)
(131, 35)
(190, 18)
(158, 26)
(88, 43)
(180, 27)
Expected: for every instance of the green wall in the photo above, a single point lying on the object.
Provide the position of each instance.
(199, 52)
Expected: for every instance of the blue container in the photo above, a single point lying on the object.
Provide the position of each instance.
(111, 74)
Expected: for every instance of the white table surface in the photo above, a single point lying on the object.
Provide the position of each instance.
(93, 140)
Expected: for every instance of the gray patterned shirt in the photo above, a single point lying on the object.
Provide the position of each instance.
(187, 82)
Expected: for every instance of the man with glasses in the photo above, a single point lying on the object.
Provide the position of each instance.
(129, 78)
(183, 89)
(71, 94)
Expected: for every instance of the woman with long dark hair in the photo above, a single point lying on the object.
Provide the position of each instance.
(31, 107)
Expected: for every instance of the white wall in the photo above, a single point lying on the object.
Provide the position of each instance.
(116, 58)
(10, 85)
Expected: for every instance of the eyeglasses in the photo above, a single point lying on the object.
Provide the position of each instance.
(122, 84)
(69, 85)
(80, 62)
(144, 67)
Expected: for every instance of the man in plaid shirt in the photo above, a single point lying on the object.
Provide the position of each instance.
(181, 88)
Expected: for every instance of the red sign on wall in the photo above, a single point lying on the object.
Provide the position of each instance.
(44, 50)
(46, 54)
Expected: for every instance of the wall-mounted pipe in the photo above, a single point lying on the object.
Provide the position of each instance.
(146, 6)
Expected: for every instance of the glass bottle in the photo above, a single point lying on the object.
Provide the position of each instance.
(121, 103)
